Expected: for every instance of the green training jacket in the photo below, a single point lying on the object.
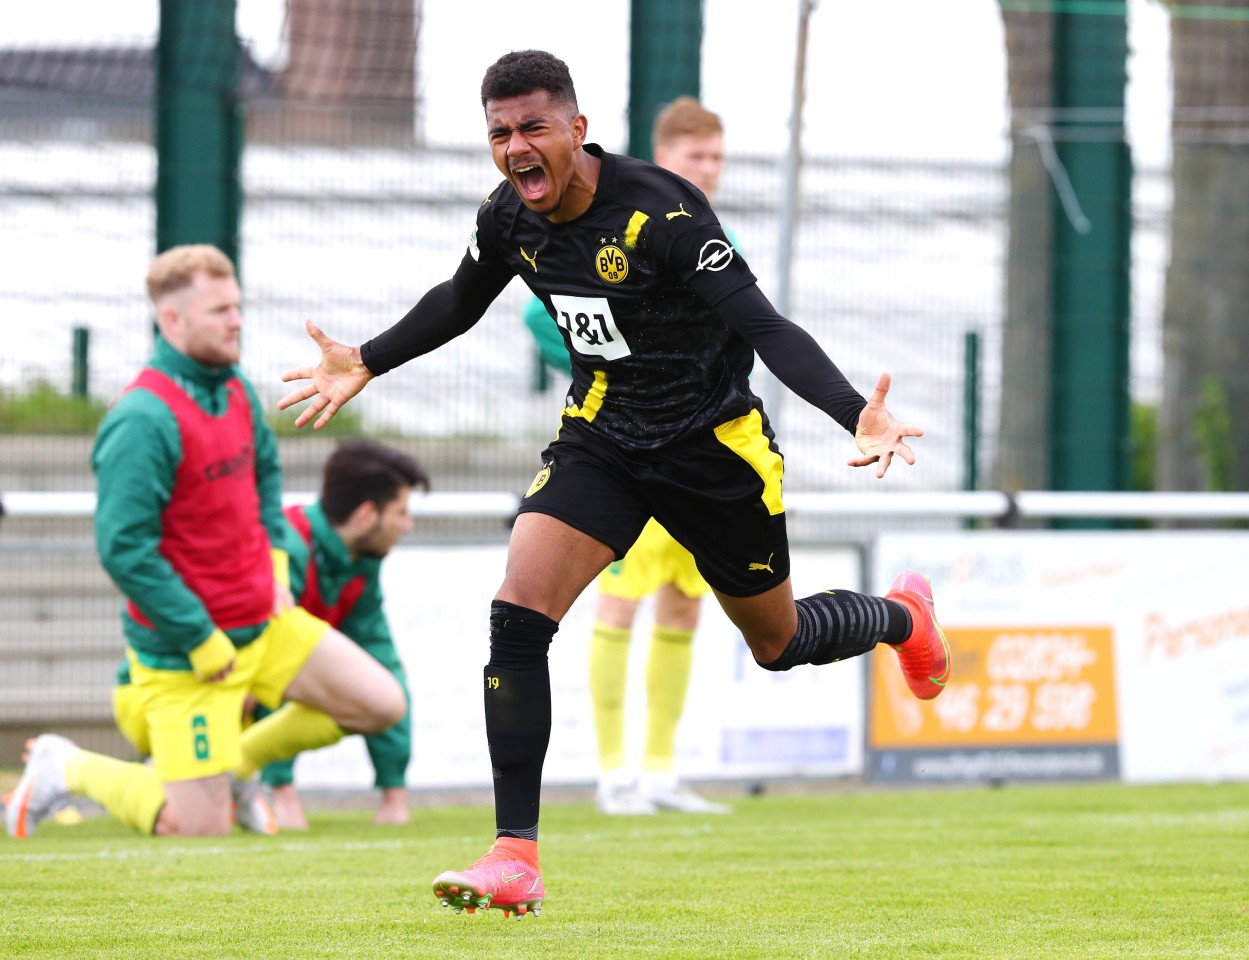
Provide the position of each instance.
(135, 460)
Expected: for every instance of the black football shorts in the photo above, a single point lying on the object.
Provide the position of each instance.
(717, 492)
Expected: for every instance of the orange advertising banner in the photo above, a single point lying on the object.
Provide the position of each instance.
(1010, 687)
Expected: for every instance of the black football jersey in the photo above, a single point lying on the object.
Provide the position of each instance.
(632, 284)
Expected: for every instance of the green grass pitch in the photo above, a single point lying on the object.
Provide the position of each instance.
(1087, 871)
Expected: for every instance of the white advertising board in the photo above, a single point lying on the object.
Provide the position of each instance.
(1033, 609)
(739, 721)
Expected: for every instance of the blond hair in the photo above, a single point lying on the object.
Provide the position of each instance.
(684, 116)
(175, 269)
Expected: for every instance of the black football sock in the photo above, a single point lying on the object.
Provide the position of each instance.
(518, 714)
(838, 625)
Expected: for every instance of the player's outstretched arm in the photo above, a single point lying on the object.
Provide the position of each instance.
(879, 436)
(339, 376)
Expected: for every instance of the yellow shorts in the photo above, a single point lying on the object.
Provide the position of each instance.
(192, 728)
(654, 560)
(289, 641)
(129, 716)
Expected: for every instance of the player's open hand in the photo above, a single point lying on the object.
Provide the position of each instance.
(879, 436)
(339, 376)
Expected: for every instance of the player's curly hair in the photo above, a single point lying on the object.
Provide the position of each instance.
(524, 71)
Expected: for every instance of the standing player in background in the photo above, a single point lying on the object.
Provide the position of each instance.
(660, 316)
(189, 525)
(687, 139)
(336, 548)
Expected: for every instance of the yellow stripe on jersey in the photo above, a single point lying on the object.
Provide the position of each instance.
(634, 228)
(744, 436)
(593, 401)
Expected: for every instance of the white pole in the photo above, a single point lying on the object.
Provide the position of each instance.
(772, 391)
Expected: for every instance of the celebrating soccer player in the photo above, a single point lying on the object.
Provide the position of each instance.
(661, 317)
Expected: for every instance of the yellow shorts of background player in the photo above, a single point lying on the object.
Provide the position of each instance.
(191, 728)
(654, 560)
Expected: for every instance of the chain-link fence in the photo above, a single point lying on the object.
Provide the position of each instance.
(358, 197)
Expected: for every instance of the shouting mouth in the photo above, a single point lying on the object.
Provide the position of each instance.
(530, 180)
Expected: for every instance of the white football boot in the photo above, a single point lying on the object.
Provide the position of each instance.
(617, 796)
(251, 810)
(665, 792)
(41, 792)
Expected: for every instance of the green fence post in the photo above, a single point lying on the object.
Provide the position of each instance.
(1090, 280)
(665, 60)
(199, 126)
(971, 410)
(82, 369)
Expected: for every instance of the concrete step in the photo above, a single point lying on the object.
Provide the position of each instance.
(69, 637)
(29, 677)
(50, 606)
(98, 735)
(69, 573)
(453, 463)
(47, 586)
(38, 678)
(59, 671)
(57, 705)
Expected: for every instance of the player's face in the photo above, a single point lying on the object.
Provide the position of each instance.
(534, 140)
(204, 320)
(391, 522)
(699, 158)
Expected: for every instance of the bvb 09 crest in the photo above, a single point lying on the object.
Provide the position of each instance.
(612, 265)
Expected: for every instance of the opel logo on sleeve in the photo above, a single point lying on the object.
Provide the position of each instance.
(715, 255)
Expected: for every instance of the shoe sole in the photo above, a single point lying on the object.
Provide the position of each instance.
(945, 647)
(465, 898)
(943, 679)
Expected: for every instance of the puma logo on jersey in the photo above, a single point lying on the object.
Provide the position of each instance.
(763, 566)
(532, 261)
(679, 213)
